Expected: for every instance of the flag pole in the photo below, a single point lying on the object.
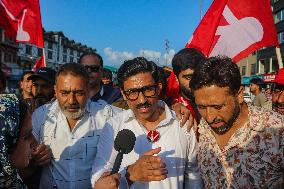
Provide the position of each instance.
(200, 10)
(279, 57)
(43, 56)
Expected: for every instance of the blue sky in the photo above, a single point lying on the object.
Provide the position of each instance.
(123, 29)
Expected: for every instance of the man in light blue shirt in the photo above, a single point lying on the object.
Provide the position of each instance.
(71, 126)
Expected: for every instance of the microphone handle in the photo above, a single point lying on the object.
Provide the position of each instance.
(117, 163)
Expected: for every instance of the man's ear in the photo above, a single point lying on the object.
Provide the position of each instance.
(21, 84)
(123, 95)
(241, 95)
(160, 88)
(55, 91)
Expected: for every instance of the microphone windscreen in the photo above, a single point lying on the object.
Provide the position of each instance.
(124, 141)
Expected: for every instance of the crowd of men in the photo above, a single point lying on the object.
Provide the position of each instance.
(206, 136)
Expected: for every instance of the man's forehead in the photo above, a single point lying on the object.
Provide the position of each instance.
(71, 81)
(187, 71)
(27, 75)
(207, 91)
(139, 80)
(90, 60)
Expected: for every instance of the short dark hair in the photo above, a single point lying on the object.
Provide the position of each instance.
(74, 69)
(135, 66)
(92, 54)
(25, 73)
(107, 73)
(257, 81)
(219, 71)
(187, 58)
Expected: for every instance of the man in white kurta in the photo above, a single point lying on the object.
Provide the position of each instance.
(70, 127)
(176, 147)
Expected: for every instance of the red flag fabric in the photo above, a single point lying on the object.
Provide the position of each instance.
(172, 88)
(40, 63)
(235, 28)
(21, 20)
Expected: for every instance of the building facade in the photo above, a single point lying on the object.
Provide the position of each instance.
(9, 60)
(267, 56)
(58, 50)
(18, 57)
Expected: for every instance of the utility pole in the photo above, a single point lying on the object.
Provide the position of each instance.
(200, 10)
(167, 47)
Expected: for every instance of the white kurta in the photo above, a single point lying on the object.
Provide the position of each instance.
(73, 151)
(178, 150)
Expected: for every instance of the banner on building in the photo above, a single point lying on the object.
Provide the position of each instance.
(235, 28)
(269, 77)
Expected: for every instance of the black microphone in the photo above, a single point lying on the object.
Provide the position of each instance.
(124, 143)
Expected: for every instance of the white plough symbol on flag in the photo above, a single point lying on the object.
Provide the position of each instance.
(238, 35)
(21, 34)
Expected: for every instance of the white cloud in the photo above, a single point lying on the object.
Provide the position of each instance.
(116, 58)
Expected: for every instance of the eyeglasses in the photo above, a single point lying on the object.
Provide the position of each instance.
(148, 91)
(93, 68)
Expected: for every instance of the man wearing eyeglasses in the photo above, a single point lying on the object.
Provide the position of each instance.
(164, 153)
(93, 62)
(278, 92)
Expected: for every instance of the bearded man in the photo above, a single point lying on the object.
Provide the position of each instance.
(184, 64)
(70, 126)
(239, 146)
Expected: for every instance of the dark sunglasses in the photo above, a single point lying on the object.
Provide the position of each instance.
(93, 68)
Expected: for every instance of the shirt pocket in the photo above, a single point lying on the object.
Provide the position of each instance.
(91, 143)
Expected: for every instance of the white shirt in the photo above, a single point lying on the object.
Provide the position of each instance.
(178, 150)
(73, 152)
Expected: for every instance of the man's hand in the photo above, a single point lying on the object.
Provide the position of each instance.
(147, 168)
(108, 181)
(182, 112)
(41, 155)
(184, 116)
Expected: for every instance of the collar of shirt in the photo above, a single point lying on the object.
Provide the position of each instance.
(102, 91)
(170, 115)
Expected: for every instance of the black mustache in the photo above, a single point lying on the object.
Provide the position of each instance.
(216, 121)
(144, 105)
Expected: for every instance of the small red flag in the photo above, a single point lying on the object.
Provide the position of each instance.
(235, 28)
(172, 88)
(40, 63)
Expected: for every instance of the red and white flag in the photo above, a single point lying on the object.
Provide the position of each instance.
(21, 20)
(235, 28)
